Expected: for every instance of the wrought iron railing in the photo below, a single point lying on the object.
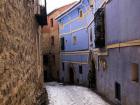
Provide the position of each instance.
(41, 14)
(99, 29)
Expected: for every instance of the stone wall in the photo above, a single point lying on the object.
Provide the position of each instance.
(20, 60)
(49, 49)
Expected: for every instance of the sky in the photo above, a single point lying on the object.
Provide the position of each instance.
(53, 4)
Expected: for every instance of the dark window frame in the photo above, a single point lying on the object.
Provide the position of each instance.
(91, 35)
(52, 41)
(80, 13)
(45, 59)
(63, 66)
(100, 28)
(54, 58)
(80, 69)
(117, 91)
(51, 22)
(62, 43)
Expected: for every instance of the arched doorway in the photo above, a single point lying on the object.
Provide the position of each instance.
(71, 75)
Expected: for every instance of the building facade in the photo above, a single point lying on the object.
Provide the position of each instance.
(51, 44)
(74, 37)
(21, 78)
(116, 50)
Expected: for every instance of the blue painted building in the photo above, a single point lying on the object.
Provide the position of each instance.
(116, 50)
(75, 42)
(104, 34)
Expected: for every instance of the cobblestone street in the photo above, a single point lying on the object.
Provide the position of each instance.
(72, 95)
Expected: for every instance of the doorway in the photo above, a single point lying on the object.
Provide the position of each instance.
(45, 65)
(71, 75)
(93, 68)
(117, 91)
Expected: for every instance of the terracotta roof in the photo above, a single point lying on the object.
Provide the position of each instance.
(75, 4)
(61, 8)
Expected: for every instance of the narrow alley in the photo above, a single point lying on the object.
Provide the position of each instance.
(59, 94)
(91, 48)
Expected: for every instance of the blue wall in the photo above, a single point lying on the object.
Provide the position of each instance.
(121, 19)
(76, 26)
(75, 58)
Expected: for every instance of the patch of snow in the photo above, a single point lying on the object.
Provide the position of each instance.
(72, 95)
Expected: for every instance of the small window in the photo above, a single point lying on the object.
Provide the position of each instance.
(62, 79)
(57, 73)
(63, 66)
(51, 22)
(99, 28)
(52, 40)
(45, 59)
(74, 40)
(62, 43)
(53, 57)
(81, 13)
(77, 80)
(80, 69)
(91, 2)
(118, 91)
(91, 34)
(135, 72)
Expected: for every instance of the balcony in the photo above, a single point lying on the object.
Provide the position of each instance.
(41, 15)
(99, 29)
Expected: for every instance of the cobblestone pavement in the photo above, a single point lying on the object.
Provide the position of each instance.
(72, 95)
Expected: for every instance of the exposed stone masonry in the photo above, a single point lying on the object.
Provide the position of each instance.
(20, 63)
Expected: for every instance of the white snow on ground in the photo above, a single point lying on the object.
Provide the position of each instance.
(72, 95)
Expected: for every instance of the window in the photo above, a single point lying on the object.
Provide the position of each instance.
(100, 28)
(91, 34)
(77, 80)
(74, 40)
(80, 69)
(52, 40)
(53, 57)
(62, 79)
(45, 59)
(57, 73)
(91, 2)
(51, 22)
(135, 72)
(61, 25)
(81, 13)
(118, 91)
(62, 43)
(63, 66)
